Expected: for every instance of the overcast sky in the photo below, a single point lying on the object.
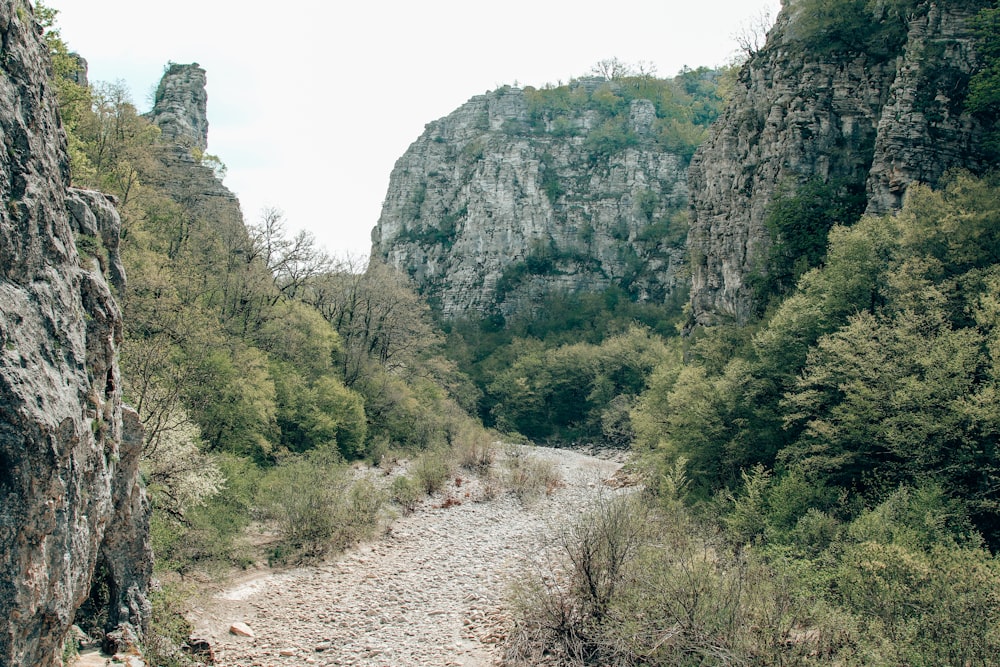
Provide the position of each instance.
(310, 103)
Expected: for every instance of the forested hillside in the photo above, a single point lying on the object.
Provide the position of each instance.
(522, 194)
(823, 469)
(260, 365)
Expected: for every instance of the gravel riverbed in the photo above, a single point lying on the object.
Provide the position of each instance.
(431, 591)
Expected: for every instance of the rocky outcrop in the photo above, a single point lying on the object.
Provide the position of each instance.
(184, 172)
(180, 106)
(492, 209)
(923, 130)
(803, 111)
(67, 445)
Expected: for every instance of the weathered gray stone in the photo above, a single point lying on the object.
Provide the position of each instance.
(181, 114)
(180, 106)
(923, 130)
(65, 456)
(796, 114)
(476, 196)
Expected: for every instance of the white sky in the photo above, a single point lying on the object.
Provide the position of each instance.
(311, 102)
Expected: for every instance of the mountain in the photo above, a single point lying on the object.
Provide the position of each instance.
(519, 194)
(70, 500)
(848, 109)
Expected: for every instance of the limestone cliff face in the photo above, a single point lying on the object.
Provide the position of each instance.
(69, 492)
(799, 113)
(180, 111)
(181, 104)
(488, 218)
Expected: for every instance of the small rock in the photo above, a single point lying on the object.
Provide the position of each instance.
(286, 652)
(241, 630)
(323, 646)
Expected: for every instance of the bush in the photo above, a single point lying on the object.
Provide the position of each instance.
(633, 587)
(530, 477)
(207, 535)
(317, 508)
(475, 449)
(405, 492)
(169, 629)
(432, 469)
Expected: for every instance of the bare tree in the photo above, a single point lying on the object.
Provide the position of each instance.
(752, 34)
(612, 69)
(291, 260)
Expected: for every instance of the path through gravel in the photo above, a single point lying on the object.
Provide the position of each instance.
(430, 592)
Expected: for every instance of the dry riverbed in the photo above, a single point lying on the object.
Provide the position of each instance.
(431, 591)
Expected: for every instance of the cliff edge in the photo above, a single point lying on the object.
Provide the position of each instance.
(69, 492)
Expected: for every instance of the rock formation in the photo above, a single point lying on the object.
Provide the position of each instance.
(180, 111)
(180, 107)
(492, 209)
(802, 111)
(69, 493)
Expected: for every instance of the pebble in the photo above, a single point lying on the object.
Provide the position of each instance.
(430, 592)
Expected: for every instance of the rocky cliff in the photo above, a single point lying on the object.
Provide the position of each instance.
(69, 493)
(180, 106)
(818, 105)
(184, 171)
(509, 199)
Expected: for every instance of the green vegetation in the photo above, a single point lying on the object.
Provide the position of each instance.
(876, 29)
(984, 87)
(316, 507)
(684, 108)
(820, 485)
(798, 223)
(567, 372)
(259, 366)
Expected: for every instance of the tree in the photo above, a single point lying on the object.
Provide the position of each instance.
(116, 140)
(752, 33)
(612, 69)
(292, 261)
(380, 319)
(984, 87)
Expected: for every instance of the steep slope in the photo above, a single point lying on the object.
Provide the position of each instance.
(69, 494)
(868, 107)
(523, 193)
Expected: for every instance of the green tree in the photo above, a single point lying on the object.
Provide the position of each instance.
(798, 223)
(984, 87)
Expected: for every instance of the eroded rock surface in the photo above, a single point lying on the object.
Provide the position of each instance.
(488, 216)
(181, 104)
(184, 172)
(68, 453)
(872, 122)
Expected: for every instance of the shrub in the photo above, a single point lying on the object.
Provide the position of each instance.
(633, 587)
(207, 533)
(475, 448)
(317, 508)
(169, 629)
(405, 492)
(432, 469)
(530, 477)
